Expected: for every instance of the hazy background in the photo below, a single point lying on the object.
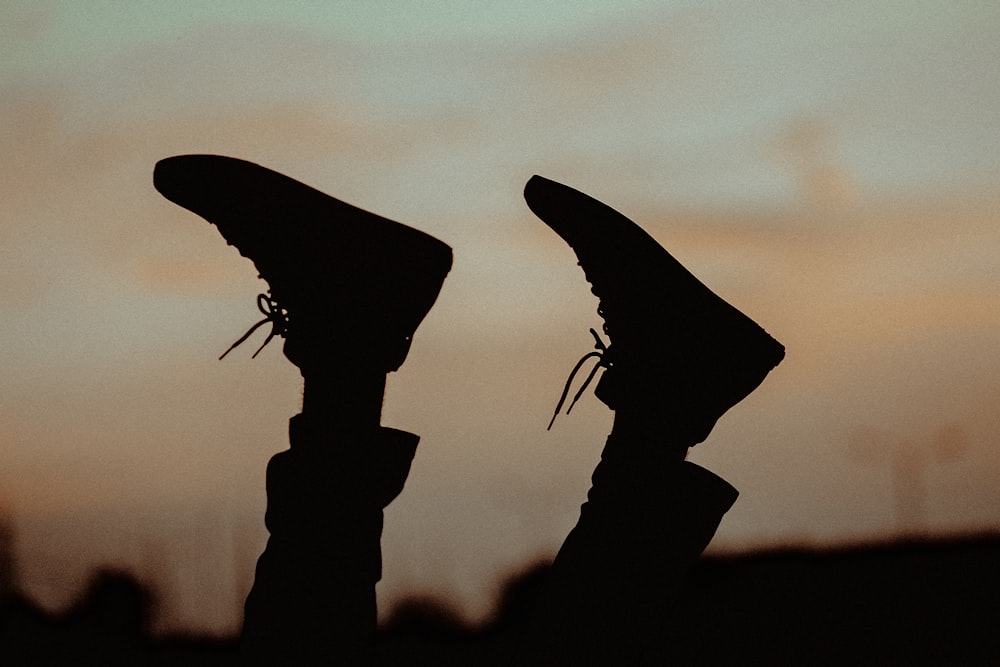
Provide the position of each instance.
(831, 168)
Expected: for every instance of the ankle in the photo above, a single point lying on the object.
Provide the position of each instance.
(347, 399)
(639, 430)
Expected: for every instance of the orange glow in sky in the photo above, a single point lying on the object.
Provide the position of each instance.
(829, 168)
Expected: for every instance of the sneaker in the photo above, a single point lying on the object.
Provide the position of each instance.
(676, 347)
(345, 284)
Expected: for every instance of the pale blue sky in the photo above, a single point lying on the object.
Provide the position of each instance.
(830, 168)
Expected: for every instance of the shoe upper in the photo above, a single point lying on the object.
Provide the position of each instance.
(675, 344)
(352, 282)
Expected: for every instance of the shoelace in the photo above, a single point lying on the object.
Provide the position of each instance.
(273, 313)
(600, 352)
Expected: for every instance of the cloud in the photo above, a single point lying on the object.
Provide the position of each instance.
(116, 302)
(88, 191)
(22, 27)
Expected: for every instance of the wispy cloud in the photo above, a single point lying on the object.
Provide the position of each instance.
(805, 164)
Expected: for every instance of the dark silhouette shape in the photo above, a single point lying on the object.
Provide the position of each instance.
(356, 284)
(347, 291)
(912, 602)
(8, 557)
(679, 358)
(108, 625)
(677, 346)
(925, 602)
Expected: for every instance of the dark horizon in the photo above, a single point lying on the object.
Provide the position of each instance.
(918, 601)
(829, 169)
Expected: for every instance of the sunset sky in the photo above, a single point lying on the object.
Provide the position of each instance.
(830, 168)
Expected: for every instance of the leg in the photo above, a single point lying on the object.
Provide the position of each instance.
(347, 291)
(679, 358)
(313, 598)
(648, 516)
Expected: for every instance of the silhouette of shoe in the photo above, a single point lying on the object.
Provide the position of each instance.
(676, 347)
(346, 286)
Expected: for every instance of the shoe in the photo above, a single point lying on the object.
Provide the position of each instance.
(676, 347)
(345, 284)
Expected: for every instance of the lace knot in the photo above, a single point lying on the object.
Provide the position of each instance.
(601, 353)
(273, 313)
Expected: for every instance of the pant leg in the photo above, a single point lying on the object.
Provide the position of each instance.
(313, 597)
(611, 587)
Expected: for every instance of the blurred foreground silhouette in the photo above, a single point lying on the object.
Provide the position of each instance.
(930, 602)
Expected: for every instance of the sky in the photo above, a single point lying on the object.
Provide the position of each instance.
(830, 168)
